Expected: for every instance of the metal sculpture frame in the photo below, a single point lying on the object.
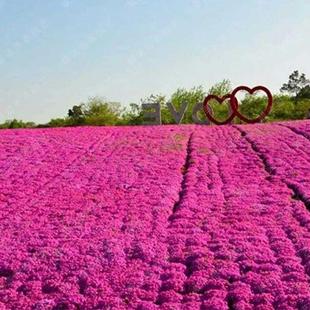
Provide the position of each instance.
(234, 106)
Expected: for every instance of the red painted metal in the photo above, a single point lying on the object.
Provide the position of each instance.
(234, 106)
(220, 100)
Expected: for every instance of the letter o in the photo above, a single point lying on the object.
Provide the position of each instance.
(198, 107)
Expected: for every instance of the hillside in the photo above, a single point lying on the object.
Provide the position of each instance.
(158, 217)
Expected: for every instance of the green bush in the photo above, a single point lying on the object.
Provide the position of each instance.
(283, 108)
(132, 115)
(302, 109)
(96, 111)
(59, 122)
(12, 124)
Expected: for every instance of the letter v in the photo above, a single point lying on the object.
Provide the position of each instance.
(177, 116)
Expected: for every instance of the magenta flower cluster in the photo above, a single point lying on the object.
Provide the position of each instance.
(156, 217)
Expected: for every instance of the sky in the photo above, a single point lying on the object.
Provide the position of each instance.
(54, 54)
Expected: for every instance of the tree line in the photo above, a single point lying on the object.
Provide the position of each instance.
(292, 103)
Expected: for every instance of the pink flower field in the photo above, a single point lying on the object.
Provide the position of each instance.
(156, 217)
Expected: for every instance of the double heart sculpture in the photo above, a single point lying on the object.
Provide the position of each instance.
(233, 103)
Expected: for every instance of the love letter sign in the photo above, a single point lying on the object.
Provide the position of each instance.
(152, 111)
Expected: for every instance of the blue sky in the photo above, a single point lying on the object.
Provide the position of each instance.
(54, 54)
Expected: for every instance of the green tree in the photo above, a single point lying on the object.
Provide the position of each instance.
(76, 114)
(283, 108)
(297, 84)
(221, 88)
(304, 93)
(252, 105)
(133, 115)
(98, 111)
(302, 109)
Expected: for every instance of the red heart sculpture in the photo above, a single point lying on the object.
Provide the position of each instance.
(234, 104)
(220, 100)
